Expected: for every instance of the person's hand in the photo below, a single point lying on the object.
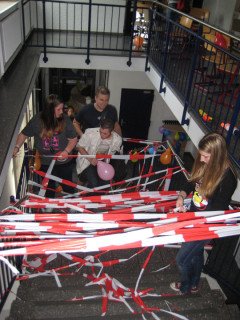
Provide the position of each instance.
(180, 204)
(62, 156)
(15, 151)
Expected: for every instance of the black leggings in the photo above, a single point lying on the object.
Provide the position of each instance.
(63, 171)
(90, 176)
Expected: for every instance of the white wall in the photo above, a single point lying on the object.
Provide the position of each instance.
(76, 61)
(29, 10)
(221, 13)
(15, 165)
(11, 35)
(11, 30)
(139, 80)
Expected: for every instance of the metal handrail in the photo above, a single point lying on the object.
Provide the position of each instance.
(224, 106)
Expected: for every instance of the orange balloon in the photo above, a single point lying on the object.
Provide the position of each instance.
(59, 189)
(138, 42)
(37, 162)
(166, 157)
(134, 153)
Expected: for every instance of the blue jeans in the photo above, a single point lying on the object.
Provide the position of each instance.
(190, 263)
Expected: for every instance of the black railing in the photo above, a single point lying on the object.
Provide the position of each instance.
(7, 280)
(223, 264)
(203, 72)
(86, 26)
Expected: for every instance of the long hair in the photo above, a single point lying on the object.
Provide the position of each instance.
(210, 175)
(50, 123)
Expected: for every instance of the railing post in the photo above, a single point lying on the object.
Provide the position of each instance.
(167, 37)
(190, 79)
(132, 31)
(23, 21)
(45, 58)
(233, 120)
(89, 31)
(151, 17)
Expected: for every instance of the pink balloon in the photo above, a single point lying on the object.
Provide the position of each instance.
(105, 170)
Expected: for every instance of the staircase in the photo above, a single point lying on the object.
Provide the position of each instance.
(40, 297)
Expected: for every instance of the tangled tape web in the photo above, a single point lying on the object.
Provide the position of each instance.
(123, 214)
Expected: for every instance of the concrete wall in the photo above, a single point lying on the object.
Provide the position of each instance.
(14, 170)
(11, 30)
(221, 13)
(11, 35)
(9, 188)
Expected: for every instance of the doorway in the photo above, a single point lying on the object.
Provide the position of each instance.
(135, 112)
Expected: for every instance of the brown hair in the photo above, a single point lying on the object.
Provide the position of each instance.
(102, 90)
(210, 175)
(50, 123)
(107, 124)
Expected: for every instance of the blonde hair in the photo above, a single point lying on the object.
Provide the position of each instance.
(102, 90)
(210, 175)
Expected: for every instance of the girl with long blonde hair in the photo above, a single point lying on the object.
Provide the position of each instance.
(212, 182)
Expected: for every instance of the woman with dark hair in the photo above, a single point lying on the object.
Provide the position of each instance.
(213, 183)
(53, 134)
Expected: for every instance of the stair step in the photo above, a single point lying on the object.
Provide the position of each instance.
(80, 280)
(41, 299)
(77, 287)
(193, 307)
